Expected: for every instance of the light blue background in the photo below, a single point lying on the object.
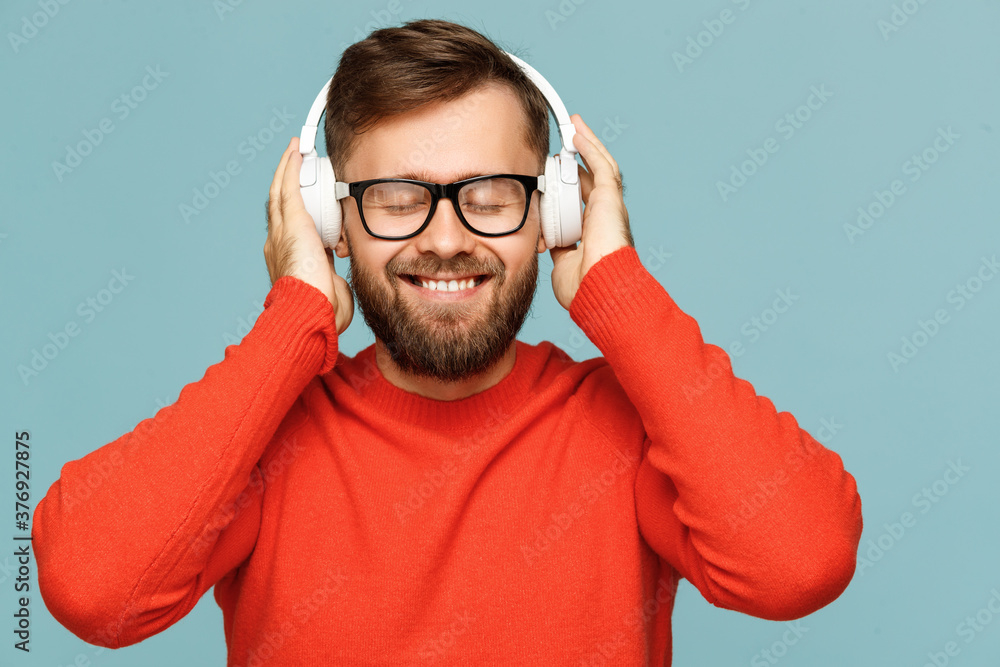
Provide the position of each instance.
(826, 357)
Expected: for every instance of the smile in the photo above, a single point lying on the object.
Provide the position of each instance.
(445, 290)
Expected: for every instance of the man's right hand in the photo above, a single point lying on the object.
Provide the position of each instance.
(293, 246)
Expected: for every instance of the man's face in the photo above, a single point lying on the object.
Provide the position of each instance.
(447, 336)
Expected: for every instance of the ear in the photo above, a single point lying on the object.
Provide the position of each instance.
(341, 247)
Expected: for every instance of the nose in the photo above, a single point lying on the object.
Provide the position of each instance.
(445, 235)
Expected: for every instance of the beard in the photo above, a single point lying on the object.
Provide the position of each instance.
(446, 341)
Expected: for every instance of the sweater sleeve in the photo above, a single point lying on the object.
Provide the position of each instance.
(131, 535)
(751, 509)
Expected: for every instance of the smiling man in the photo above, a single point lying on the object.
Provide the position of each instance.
(429, 339)
(450, 494)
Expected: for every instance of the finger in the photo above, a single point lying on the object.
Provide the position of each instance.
(585, 169)
(586, 178)
(588, 152)
(280, 171)
(291, 192)
(344, 293)
(588, 137)
(586, 183)
(345, 304)
(273, 204)
(329, 258)
(603, 172)
(589, 133)
(556, 253)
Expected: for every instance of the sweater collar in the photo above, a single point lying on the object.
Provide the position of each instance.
(487, 407)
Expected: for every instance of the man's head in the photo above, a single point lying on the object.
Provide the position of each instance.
(438, 102)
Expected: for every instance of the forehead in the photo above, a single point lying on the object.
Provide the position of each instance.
(481, 132)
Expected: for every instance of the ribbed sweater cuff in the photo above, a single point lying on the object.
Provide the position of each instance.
(304, 311)
(616, 292)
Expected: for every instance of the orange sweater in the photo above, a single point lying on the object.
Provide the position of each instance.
(544, 521)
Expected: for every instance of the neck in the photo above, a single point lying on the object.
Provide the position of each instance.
(429, 387)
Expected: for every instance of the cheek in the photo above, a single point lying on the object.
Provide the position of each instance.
(533, 214)
(377, 256)
(516, 257)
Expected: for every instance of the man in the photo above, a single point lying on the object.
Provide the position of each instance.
(450, 494)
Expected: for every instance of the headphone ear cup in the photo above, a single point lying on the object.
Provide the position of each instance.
(318, 187)
(548, 204)
(570, 205)
(331, 210)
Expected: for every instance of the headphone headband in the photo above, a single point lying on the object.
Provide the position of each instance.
(307, 138)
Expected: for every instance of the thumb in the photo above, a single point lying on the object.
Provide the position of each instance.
(557, 253)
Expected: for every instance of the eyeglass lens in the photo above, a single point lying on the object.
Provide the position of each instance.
(491, 205)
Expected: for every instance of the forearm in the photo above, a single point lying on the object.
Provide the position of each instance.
(142, 513)
(712, 443)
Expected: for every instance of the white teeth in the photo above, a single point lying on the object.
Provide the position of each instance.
(449, 285)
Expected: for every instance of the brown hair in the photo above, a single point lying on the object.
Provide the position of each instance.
(398, 69)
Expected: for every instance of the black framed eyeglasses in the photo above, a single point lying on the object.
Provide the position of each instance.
(400, 208)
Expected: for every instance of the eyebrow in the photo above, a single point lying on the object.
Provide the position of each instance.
(424, 176)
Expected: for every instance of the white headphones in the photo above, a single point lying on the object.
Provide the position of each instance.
(560, 205)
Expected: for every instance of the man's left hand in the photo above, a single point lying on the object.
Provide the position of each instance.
(605, 219)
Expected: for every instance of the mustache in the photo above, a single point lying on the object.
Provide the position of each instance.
(464, 267)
